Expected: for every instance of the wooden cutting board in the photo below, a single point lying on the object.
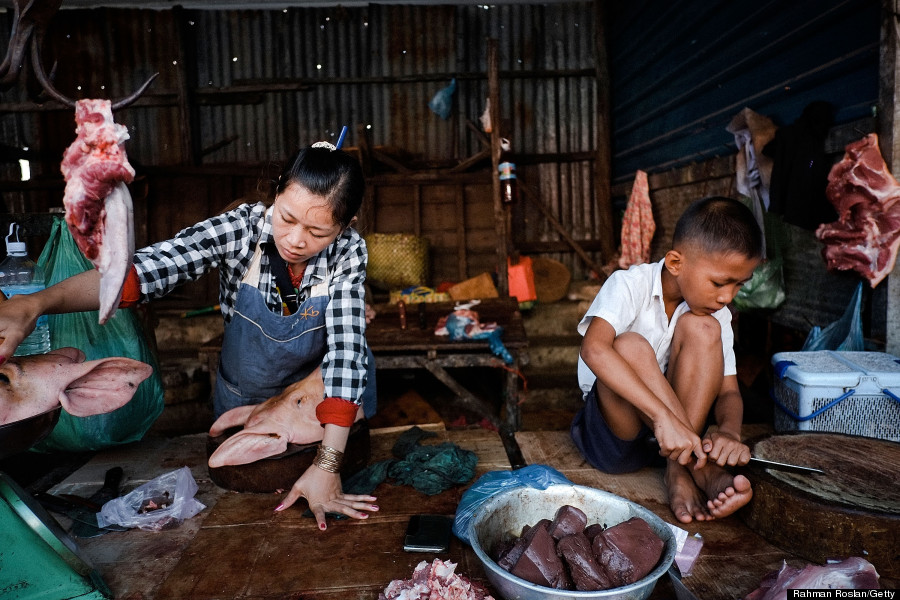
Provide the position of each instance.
(851, 510)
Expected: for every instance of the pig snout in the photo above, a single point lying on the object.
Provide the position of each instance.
(30, 385)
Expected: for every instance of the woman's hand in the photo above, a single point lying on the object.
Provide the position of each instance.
(18, 316)
(323, 492)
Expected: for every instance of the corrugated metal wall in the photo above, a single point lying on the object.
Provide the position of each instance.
(681, 70)
(257, 83)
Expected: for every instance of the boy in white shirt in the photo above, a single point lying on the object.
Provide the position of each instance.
(657, 358)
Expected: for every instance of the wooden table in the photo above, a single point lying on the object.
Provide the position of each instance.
(239, 548)
(417, 347)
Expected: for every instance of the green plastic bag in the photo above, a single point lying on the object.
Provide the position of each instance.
(120, 336)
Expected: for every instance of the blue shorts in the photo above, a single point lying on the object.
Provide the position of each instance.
(603, 450)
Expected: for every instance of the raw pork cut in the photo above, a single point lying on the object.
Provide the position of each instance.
(436, 581)
(850, 574)
(866, 235)
(97, 202)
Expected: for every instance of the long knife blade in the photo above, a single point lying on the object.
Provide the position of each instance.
(87, 528)
(772, 464)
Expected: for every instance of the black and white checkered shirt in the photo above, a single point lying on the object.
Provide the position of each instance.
(227, 241)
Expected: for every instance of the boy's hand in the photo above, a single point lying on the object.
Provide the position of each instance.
(678, 442)
(726, 449)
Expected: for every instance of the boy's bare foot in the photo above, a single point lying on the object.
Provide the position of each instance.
(685, 499)
(725, 492)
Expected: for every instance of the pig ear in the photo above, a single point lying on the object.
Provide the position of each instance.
(247, 447)
(231, 418)
(103, 386)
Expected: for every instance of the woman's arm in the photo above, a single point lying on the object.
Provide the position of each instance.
(19, 314)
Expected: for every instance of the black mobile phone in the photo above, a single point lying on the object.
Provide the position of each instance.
(428, 533)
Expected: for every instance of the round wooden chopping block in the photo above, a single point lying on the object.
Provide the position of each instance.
(851, 510)
(281, 471)
(551, 279)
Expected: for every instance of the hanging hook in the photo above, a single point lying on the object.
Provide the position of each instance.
(29, 25)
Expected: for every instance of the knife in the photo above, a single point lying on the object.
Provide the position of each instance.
(87, 527)
(75, 507)
(771, 464)
(681, 591)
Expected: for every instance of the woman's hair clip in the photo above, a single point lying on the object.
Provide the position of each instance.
(327, 145)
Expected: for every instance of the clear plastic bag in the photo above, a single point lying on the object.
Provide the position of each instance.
(161, 503)
(535, 476)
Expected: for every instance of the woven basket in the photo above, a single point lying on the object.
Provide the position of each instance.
(397, 259)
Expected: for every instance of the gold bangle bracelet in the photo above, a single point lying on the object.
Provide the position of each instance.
(329, 459)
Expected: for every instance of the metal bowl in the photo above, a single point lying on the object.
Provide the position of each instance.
(21, 435)
(502, 516)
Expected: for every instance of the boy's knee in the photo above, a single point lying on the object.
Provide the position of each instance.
(697, 329)
(631, 346)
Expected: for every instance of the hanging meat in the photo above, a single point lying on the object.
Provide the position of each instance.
(97, 201)
(866, 235)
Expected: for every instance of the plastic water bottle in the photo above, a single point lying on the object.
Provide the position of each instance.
(21, 275)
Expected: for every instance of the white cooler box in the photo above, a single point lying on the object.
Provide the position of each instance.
(856, 393)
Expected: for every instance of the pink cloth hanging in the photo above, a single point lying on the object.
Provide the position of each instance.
(638, 225)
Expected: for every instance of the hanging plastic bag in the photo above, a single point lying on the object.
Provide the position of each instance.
(493, 482)
(120, 336)
(844, 334)
(161, 503)
(765, 290)
(443, 100)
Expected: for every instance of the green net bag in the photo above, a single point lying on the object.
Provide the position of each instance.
(120, 336)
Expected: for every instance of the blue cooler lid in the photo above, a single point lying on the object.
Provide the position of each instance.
(833, 368)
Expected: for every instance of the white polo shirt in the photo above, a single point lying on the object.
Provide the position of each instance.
(632, 300)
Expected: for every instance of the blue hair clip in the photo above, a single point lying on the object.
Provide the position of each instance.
(340, 141)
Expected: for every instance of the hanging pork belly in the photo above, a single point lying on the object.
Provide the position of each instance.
(866, 236)
(97, 201)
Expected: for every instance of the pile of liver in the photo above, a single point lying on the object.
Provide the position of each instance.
(568, 554)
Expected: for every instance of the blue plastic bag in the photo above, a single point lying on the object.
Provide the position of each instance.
(458, 329)
(493, 482)
(442, 101)
(844, 334)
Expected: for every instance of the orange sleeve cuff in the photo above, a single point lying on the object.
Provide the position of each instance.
(131, 290)
(336, 411)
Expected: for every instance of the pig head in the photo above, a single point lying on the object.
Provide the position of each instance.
(31, 385)
(268, 428)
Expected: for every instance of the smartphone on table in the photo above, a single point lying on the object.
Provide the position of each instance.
(428, 533)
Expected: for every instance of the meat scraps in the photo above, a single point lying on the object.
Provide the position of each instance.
(97, 202)
(583, 558)
(866, 235)
(435, 581)
(851, 574)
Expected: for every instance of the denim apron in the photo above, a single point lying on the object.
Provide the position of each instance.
(262, 352)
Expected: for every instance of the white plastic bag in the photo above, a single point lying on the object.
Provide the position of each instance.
(161, 503)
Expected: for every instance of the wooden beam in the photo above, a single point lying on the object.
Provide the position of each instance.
(530, 195)
(500, 219)
(889, 141)
(603, 162)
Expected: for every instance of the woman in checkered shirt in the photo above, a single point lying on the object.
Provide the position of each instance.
(275, 335)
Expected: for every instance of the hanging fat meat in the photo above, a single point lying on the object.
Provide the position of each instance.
(97, 202)
(866, 236)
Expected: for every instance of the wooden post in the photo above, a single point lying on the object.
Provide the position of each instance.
(889, 142)
(603, 162)
(500, 220)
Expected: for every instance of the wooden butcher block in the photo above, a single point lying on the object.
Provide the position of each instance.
(851, 510)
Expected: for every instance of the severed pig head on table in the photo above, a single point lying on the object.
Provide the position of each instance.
(31, 385)
(268, 428)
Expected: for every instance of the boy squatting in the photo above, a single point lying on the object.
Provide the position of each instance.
(657, 358)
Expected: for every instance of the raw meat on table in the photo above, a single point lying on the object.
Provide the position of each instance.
(851, 574)
(269, 427)
(866, 236)
(97, 202)
(435, 581)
